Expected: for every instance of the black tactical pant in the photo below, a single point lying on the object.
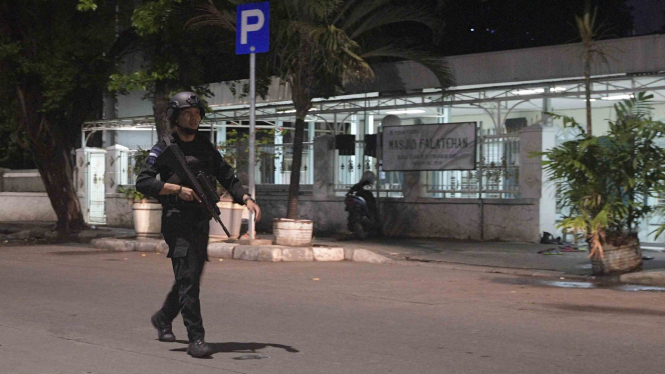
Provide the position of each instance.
(186, 233)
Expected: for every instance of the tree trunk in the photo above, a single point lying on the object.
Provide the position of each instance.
(294, 187)
(160, 104)
(56, 173)
(51, 155)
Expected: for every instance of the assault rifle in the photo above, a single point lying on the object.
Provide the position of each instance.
(173, 158)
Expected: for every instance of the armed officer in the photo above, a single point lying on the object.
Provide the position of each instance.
(184, 221)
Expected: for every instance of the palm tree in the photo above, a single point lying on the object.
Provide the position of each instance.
(589, 31)
(320, 46)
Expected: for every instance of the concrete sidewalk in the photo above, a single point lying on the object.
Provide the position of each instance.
(257, 250)
(501, 255)
(506, 257)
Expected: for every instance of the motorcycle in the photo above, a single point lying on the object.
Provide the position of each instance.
(361, 205)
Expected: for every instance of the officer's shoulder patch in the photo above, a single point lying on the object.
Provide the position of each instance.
(153, 154)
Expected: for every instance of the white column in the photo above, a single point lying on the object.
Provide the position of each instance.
(279, 158)
(499, 123)
(311, 126)
(547, 108)
(221, 133)
(534, 181)
(116, 171)
(442, 178)
(371, 129)
(358, 154)
(82, 181)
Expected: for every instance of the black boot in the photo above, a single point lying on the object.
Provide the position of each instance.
(199, 349)
(164, 332)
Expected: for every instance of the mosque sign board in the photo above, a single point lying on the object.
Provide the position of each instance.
(448, 146)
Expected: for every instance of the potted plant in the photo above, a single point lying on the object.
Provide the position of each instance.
(147, 212)
(605, 180)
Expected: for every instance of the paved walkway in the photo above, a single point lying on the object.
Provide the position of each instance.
(496, 254)
(500, 255)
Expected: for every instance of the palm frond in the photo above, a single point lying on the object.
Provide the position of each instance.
(356, 10)
(392, 15)
(311, 9)
(211, 16)
(635, 107)
(437, 65)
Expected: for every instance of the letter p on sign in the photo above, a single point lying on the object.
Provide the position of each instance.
(253, 28)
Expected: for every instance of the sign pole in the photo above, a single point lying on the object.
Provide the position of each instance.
(252, 37)
(252, 136)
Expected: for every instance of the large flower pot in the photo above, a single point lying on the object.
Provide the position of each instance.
(147, 219)
(619, 259)
(292, 232)
(231, 214)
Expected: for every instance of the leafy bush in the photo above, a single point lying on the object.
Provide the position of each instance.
(130, 192)
(605, 181)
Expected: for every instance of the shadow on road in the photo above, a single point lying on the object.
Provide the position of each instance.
(236, 347)
(607, 309)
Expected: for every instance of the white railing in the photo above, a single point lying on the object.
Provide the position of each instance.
(350, 168)
(497, 162)
(275, 164)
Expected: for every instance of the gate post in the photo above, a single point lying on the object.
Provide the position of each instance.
(90, 183)
(116, 173)
(81, 186)
(534, 183)
(324, 153)
(118, 209)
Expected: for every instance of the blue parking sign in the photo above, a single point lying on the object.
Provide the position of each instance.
(253, 28)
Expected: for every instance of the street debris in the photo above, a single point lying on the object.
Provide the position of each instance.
(559, 250)
(549, 252)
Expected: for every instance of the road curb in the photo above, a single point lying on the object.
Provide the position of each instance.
(644, 278)
(85, 236)
(488, 269)
(263, 253)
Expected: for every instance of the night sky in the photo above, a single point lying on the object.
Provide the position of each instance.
(649, 15)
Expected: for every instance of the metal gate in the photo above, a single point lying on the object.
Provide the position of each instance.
(90, 166)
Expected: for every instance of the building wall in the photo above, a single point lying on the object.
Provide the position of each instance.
(629, 55)
(26, 206)
(136, 139)
(119, 211)
(27, 180)
(505, 220)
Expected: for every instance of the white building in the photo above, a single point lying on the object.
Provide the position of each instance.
(503, 92)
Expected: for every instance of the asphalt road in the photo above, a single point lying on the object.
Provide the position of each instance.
(69, 309)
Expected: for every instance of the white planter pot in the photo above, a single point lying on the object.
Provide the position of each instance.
(147, 219)
(293, 232)
(232, 215)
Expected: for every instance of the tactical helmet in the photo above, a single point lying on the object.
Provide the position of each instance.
(183, 100)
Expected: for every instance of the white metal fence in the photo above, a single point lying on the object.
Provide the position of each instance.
(497, 163)
(275, 164)
(350, 168)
